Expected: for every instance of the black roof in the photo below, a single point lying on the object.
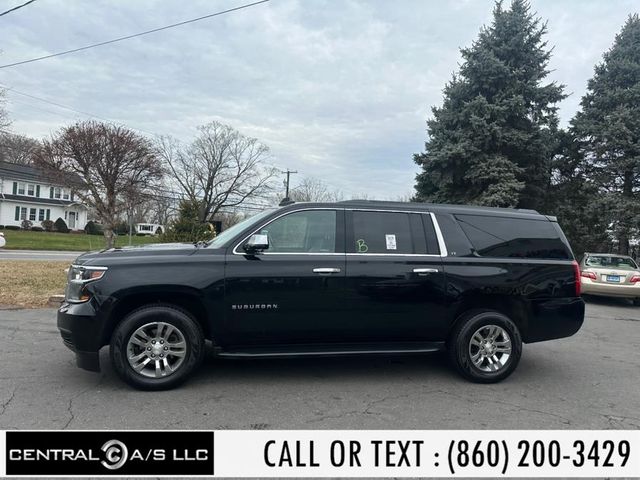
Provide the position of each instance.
(42, 200)
(429, 207)
(34, 174)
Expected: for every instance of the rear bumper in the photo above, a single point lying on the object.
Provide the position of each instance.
(80, 329)
(611, 289)
(554, 318)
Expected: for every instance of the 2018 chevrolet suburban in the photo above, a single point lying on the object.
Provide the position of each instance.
(330, 279)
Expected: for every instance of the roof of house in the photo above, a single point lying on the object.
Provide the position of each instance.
(40, 200)
(34, 174)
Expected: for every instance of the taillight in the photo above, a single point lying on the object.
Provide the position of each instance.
(590, 275)
(635, 279)
(576, 277)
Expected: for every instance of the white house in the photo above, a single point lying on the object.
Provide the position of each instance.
(27, 193)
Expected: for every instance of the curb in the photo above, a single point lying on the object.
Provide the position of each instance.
(55, 301)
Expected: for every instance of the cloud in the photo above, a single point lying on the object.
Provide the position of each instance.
(340, 90)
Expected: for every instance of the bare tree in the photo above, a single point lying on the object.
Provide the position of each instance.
(162, 209)
(17, 148)
(4, 115)
(109, 161)
(314, 190)
(220, 168)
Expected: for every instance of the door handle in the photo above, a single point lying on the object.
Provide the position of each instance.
(326, 271)
(424, 271)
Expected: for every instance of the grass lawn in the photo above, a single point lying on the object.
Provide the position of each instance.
(28, 240)
(30, 284)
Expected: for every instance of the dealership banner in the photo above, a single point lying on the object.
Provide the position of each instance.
(321, 453)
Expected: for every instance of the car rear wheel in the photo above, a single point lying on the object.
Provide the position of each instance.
(485, 346)
(157, 347)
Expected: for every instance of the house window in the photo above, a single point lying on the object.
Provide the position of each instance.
(23, 213)
(57, 192)
(65, 194)
(41, 215)
(31, 189)
(21, 188)
(32, 214)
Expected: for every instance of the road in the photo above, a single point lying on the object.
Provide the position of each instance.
(38, 255)
(588, 381)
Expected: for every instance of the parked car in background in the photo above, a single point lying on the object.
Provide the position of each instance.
(610, 275)
(3, 242)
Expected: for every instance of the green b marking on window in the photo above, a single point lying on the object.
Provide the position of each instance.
(362, 246)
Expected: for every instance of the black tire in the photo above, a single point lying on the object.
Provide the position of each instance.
(459, 345)
(170, 315)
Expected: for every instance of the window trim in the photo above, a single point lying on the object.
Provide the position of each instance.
(436, 227)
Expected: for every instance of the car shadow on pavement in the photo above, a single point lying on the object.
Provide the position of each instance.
(609, 301)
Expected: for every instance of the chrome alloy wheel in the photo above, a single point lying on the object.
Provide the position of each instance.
(156, 350)
(490, 348)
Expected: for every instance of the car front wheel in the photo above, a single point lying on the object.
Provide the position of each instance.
(485, 346)
(156, 347)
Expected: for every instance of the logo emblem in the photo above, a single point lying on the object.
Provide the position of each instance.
(116, 454)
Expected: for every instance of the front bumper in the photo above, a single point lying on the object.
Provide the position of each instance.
(610, 289)
(81, 331)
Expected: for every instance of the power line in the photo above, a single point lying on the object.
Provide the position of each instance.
(16, 8)
(67, 107)
(119, 39)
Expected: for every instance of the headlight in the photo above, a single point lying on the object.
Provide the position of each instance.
(78, 277)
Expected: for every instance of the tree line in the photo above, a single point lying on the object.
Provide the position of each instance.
(118, 170)
(496, 140)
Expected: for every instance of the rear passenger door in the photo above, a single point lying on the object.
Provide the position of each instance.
(394, 277)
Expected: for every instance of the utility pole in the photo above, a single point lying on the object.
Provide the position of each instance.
(286, 200)
(288, 172)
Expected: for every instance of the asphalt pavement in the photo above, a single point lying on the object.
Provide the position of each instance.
(38, 255)
(588, 381)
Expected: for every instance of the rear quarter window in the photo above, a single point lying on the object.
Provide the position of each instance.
(513, 237)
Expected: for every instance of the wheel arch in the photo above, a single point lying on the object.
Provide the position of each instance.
(515, 309)
(188, 300)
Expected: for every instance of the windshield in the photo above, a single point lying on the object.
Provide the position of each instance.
(229, 234)
(621, 263)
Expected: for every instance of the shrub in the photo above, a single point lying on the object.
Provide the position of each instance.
(12, 227)
(187, 227)
(26, 224)
(60, 226)
(47, 225)
(93, 228)
(1, 227)
(37, 229)
(122, 228)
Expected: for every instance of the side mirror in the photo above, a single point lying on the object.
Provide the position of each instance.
(256, 243)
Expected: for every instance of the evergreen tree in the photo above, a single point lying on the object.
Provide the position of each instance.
(492, 141)
(188, 227)
(573, 197)
(608, 130)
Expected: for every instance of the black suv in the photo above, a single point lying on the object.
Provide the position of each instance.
(330, 279)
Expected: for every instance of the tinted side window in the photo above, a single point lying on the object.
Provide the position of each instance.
(312, 231)
(381, 232)
(454, 238)
(513, 237)
(430, 234)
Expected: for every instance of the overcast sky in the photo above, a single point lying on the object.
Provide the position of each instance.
(339, 90)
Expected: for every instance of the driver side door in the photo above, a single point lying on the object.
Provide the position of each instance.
(293, 292)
